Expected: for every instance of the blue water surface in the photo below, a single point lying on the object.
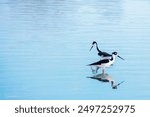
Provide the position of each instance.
(44, 48)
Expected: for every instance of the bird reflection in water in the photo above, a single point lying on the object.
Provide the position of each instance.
(106, 78)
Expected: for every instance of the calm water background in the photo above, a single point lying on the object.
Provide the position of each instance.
(44, 48)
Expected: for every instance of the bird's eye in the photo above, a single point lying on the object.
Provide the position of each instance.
(115, 53)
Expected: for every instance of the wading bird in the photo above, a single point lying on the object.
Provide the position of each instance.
(105, 62)
(103, 55)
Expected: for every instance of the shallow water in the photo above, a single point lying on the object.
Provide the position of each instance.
(44, 48)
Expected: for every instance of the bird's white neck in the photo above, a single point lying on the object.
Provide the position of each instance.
(113, 58)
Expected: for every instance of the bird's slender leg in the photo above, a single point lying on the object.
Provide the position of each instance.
(103, 71)
(97, 68)
(93, 71)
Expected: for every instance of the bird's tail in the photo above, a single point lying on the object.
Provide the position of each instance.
(88, 65)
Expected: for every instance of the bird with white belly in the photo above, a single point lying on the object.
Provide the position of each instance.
(106, 62)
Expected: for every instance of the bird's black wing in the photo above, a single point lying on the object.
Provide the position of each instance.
(104, 54)
(100, 62)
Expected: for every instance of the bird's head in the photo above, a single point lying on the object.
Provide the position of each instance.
(94, 42)
(116, 54)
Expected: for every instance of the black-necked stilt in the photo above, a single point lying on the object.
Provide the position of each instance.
(105, 62)
(106, 78)
(104, 55)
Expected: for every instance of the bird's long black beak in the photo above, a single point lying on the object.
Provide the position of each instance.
(91, 48)
(120, 57)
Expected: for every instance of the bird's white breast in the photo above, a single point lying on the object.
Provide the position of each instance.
(104, 65)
